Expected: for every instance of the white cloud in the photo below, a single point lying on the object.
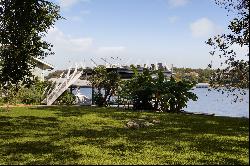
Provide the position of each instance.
(111, 51)
(65, 4)
(177, 3)
(69, 50)
(173, 19)
(68, 43)
(203, 28)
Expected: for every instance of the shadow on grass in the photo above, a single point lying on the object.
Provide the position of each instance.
(38, 149)
(65, 111)
(14, 127)
(21, 141)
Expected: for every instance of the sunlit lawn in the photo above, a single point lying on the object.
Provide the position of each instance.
(88, 135)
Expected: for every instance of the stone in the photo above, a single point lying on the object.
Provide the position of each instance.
(147, 124)
(132, 124)
(156, 121)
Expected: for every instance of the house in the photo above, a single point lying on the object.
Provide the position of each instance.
(40, 68)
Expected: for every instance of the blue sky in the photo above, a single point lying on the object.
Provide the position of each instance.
(136, 31)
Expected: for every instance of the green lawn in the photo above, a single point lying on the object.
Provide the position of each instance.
(88, 135)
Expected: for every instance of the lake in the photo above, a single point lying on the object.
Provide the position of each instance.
(210, 102)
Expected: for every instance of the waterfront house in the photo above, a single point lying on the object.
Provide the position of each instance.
(40, 68)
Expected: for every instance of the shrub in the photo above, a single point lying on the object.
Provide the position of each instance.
(66, 98)
(176, 95)
(29, 95)
(33, 93)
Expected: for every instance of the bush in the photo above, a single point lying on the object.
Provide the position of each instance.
(66, 98)
(176, 95)
(9, 95)
(33, 93)
(30, 95)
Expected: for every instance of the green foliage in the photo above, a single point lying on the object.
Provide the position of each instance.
(151, 90)
(193, 75)
(32, 94)
(1, 100)
(97, 136)
(29, 96)
(23, 26)
(176, 95)
(66, 98)
(105, 83)
(55, 74)
(9, 94)
(124, 93)
(233, 72)
(99, 99)
(140, 89)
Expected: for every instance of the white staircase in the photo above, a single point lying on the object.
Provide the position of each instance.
(62, 86)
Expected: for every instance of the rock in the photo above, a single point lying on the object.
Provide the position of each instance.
(133, 125)
(156, 121)
(140, 120)
(147, 124)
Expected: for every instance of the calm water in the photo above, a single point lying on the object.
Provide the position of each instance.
(219, 104)
(210, 102)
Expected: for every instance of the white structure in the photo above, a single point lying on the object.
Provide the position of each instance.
(71, 79)
(65, 81)
(41, 67)
(77, 83)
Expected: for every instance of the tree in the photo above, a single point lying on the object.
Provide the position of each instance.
(141, 89)
(176, 95)
(105, 83)
(234, 72)
(151, 90)
(23, 24)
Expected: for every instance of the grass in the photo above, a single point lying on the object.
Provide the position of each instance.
(88, 135)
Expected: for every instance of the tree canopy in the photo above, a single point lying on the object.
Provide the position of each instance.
(151, 90)
(105, 84)
(234, 71)
(23, 24)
